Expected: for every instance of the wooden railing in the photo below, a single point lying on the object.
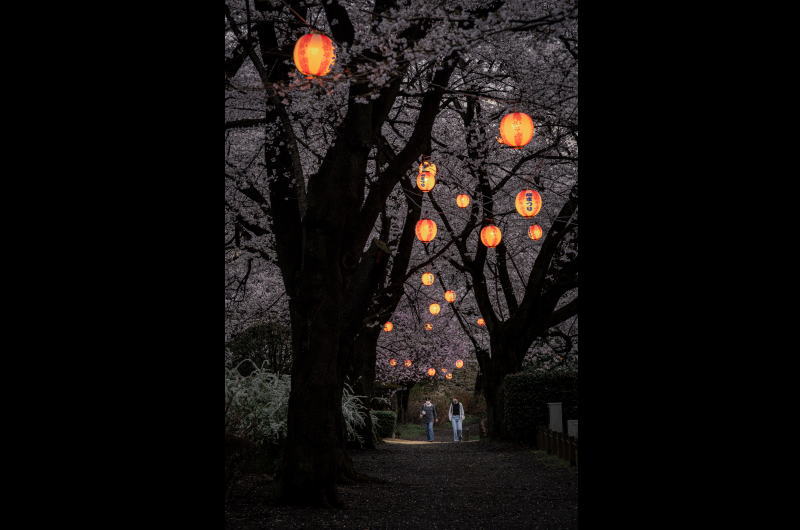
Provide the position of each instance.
(558, 443)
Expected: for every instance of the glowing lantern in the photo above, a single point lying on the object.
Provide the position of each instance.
(426, 230)
(450, 296)
(528, 203)
(388, 327)
(431, 372)
(314, 55)
(535, 232)
(392, 362)
(516, 130)
(434, 309)
(491, 236)
(426, 178)
(449, 376)
(462, 200)
(481, 322)
(443, 370)
(459, 364)
(428, 326)
(427, 278)
(407, 362)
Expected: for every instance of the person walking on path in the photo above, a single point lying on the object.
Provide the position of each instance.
(456, 416)
(428, 415)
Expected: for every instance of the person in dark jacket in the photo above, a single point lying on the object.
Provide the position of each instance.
(428, 416)
(456, 415)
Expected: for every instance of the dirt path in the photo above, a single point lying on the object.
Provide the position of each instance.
(440, 484)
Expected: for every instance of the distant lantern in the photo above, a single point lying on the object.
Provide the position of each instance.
(392, 362)
(428, 326)
(481, 322)
(491, 236)
(528, 203)
(427, 278)
(407, 363)
(431, 372)
(459, 364)
(388, 327)
(516, 130)
(449, 376)
(426, 178)
(434, 309)
(450, 296)
(443, 370)
(426, 230)
(462, 200)
(535, 232)
(314, 55)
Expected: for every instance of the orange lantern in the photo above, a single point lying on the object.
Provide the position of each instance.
(491, 236)
(535, 232)
(516, 130)
(426, 230)
(449, 376)
(434, 309)
(462, 200)
(481, 322)
(443, 370)
(431, 372)
(388, 327)
(407, 362)
(426, 178)
(450, 296)
(314, 55)
(459, 364)
(392, 362)
(428, 326)
(528, 203)
(427, 278)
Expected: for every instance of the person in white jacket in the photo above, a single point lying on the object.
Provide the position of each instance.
(456, 415)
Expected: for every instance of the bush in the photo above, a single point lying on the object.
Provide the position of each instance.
(384, 422)
(526, 395)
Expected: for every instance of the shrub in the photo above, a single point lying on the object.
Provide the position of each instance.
(384, 421)
(526, 395)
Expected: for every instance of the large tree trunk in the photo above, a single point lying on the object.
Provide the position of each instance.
(309, 467)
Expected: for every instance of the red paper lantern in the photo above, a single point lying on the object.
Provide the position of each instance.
(516, 130)
(427, 278)
(459, 364)
(426, 178)
(449, 376)
(388, 327)
(426, 230)
(434, 309)
(392, 362)
(450, 296)
(431, 372)
(481, 322)
(428, 326)
(407, 363)
(535, 232)
(314, 55)
(528, 203)
(491, 236)
(462, 200)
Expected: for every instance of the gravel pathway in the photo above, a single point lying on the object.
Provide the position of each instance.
(441, 484)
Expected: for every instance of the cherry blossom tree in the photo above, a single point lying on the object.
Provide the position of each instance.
(319, 187)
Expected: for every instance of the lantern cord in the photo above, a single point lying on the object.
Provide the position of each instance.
(303, 20)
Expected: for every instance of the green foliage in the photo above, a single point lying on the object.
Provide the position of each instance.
(526, 395)
(266, 346)
(385, 422)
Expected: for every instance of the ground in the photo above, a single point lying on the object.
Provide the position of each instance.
(473, 484)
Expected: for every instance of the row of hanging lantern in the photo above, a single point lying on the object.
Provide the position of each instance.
(431, 371)
(314, 56)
